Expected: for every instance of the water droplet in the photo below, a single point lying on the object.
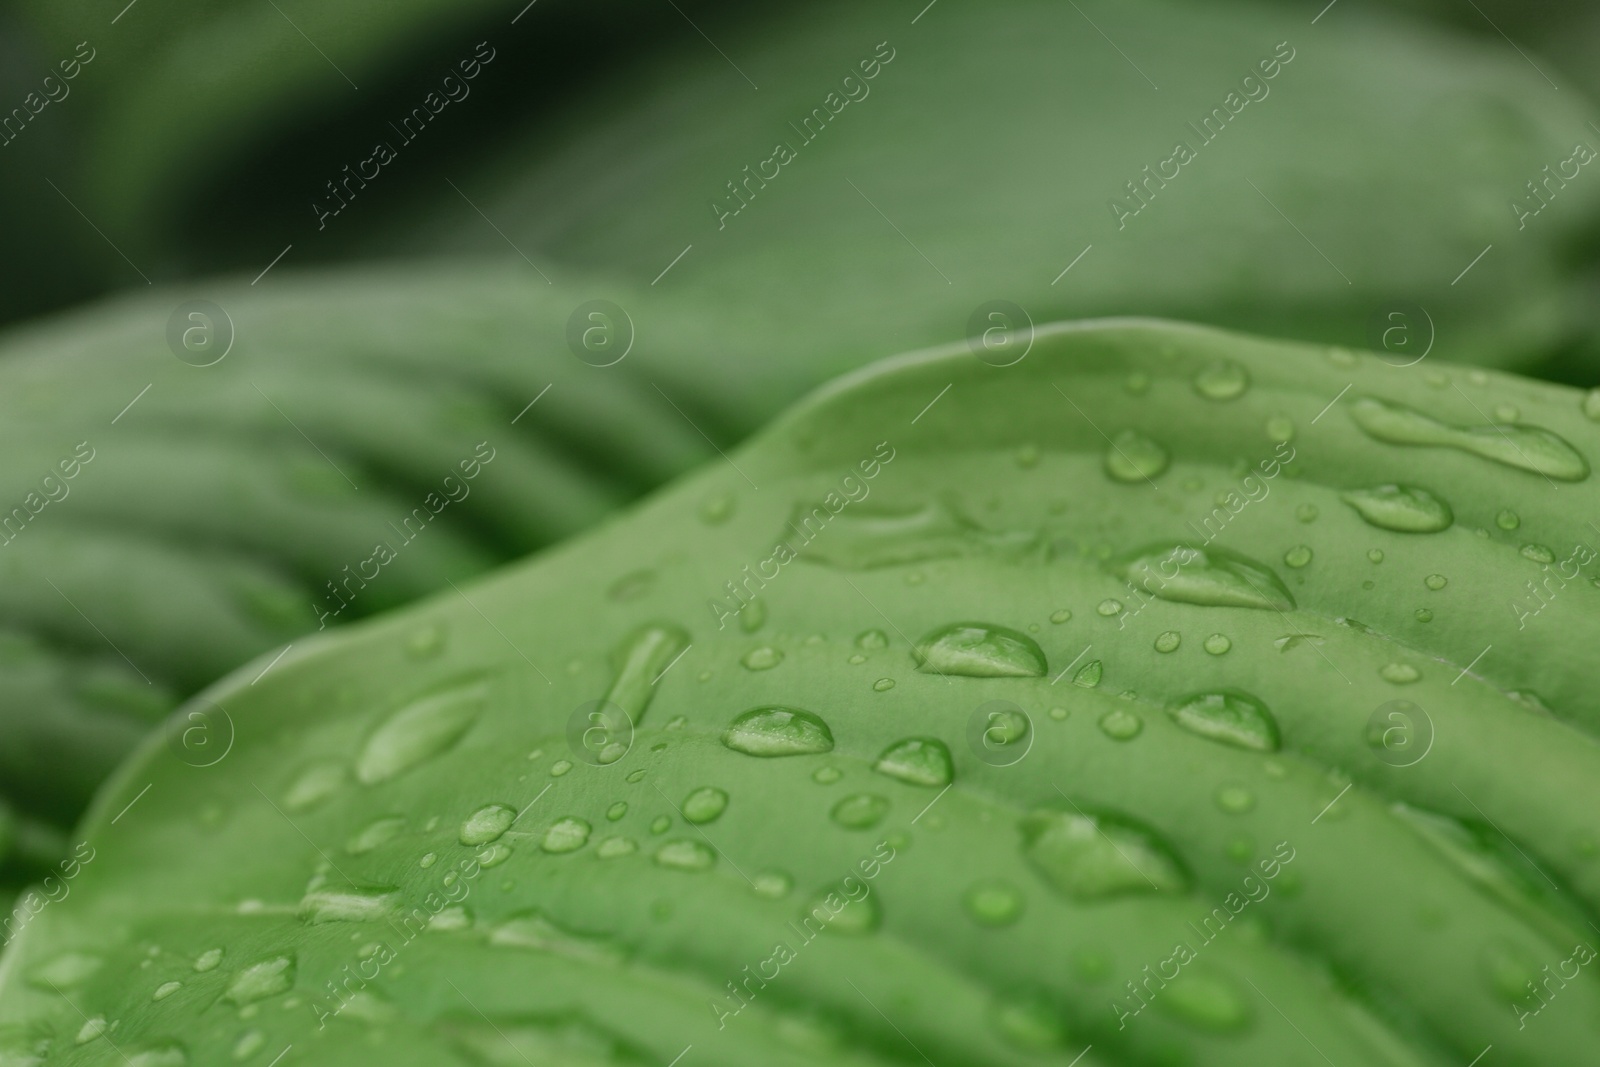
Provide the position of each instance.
(778, 731)
(1120, 724)
(1235, 799)
(376, 833)
(91, 1029)
(1230, 716)
(617, 811)
(860, 811)
(561, 767)
(631, 586)
(1168, 641)
(1435, 581)
(980, 650)
(883, 685)
(318, 782)
(683, 855)
(993, 903)
(1538, 553)
(350, 903)
(1401, 508)
(1506, 413)
(1511, 969)
(872, 640)
(1133, 457)
(208, 960)
(704, 805)
(1280, 428)
(612, 847)
(566, 835)
(268, 978)
(486, 824)
(716, 509)
(1507, 519)
(1424, 615)
(917, 761)
(1108, 607)
(494, 855)
(1137, 383)
(1526, 448)
(1222, 380)
(1029, 1024)
(826, 775)
(1028, 457)
(753, 616)
(1374, 555)
(1060, 616)
(639, 661)
(426, 641)
(773, 884)
(167, 1054)
(1298, 556)
(839, 913)
(1095, 856)
(165, 990)
(856, 659)
(1210, 577)
(660, 825)
(1206, 1001)
(1088, 675)
(1217, 644)
(420, 731)
(1399, 673)
(762, 659)
(428, 860)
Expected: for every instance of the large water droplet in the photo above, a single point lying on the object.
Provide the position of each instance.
(486, 824)
(1526, 448)
(348, 903)
(1092, 857)
(917, 761)
(685, 855)
(565, 835)
(1229, 716)
(267, 978)
(420, 731)
(980, 650)
(1401, 508)
(1222, 380)
(860, 811)
(639, 661)
(778, 731)
(1133, 457)
(704, 804)
(1207, 576)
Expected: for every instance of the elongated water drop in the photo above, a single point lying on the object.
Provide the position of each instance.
(376, 833)
(266, 978)
(639, 661)
(778, 731)
(1133, 457)
(1095, 856)
(980, 650)
(917, 761)
(420, 731)
(1208, 576)
(860, 811)
(1206, 1000)
(1088, 675)
(1230, 716)
(1401, 508)
(486, 824)
(685, 855)
(1527, 448)
(704, 805)
(348, 904)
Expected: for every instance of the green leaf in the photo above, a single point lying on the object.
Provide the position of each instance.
(881, 915)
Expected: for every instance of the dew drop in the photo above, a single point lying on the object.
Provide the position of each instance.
(1120, 724)
(1399, 673)
(494, 855)
(612, 847)
(773, 885)
(1507, 519)
(1060, 616)
(1538, 553)
(315, 784)
(1424, 615)
(1088, 675)
(1108, 607)
(860, 811)
(65, 971)
(980, 650)
(1297, 557)
(716, 509)
(872, 640)
(91, 1029)
(1235, 799)
(350, 903)
(565, 835)
(993, 903)
(1029, 1024)
(1374, 555)
(1133, 457)
(561, 767)
(1092, 857)
(826, 775)
(1230, 716)
(1222, 380)
(617, 811)
(1206, 1001)
(1401, 508)
(1217, 644)
(660, 825)
(420, 731)
(704, 805)
(1526, 448)
(684, 855)
(1435, 582)
(883, 685)
(842, 914)
(778, 731)
(1168, 641)
(639, 662)
(923, 761)
(1209, 577)
(165, 990)
(486, 824)
(169, 1054)
(268, 978)
(425, 642)
(208, 960)
(1306, 513)
(1280, 428)
(376, 833)
(762, 659)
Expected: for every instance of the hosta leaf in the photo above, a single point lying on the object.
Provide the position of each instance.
(1361, 845)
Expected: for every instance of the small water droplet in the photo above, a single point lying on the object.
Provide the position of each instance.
(1435, 581)
(486, 824)
(560, 767)
(860, 811)
(840, 913)
(208, 960)
(1133, 457)
(1217, 644)
(566, 835)
(65, 971)
(1137, 383)
(1088, 675)
(826, 775)
(428, 860)
(267, 978)
(1206, 1001)
(1168, 641)
(1298, 556)
(1092, 857)
(1058, 714)
(91, 1029)
(167, 1054)
(762, 659)
(617, 811)
(635, 777)
(1507, 519)
(1222, 380)
(1027, 457)
(778, 731)
(1306, 513)
(639, 662)
(660, 825)
(1060, 616)
(993, 903)
(684, 855)
(1280, 428)
(1374, 555)
(1120, 724)
(1230, 716)
(872, 640)
(315, 784)
(612, 847)
(165, 990)
(1029, 1024)
(716, 509)
(420, 731)
(376, 833)
(348, 903)
(1399, 673)
(980, 650)
(773, 884)
(1507, 412)
(1401, 508)
(1538, 553)
(1424, 615)
(1235, 799)
(425, 642)
(883, 685)
(494, 855)
(921, 761)
(1108, 607)
(631, 586)
(704, 804)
